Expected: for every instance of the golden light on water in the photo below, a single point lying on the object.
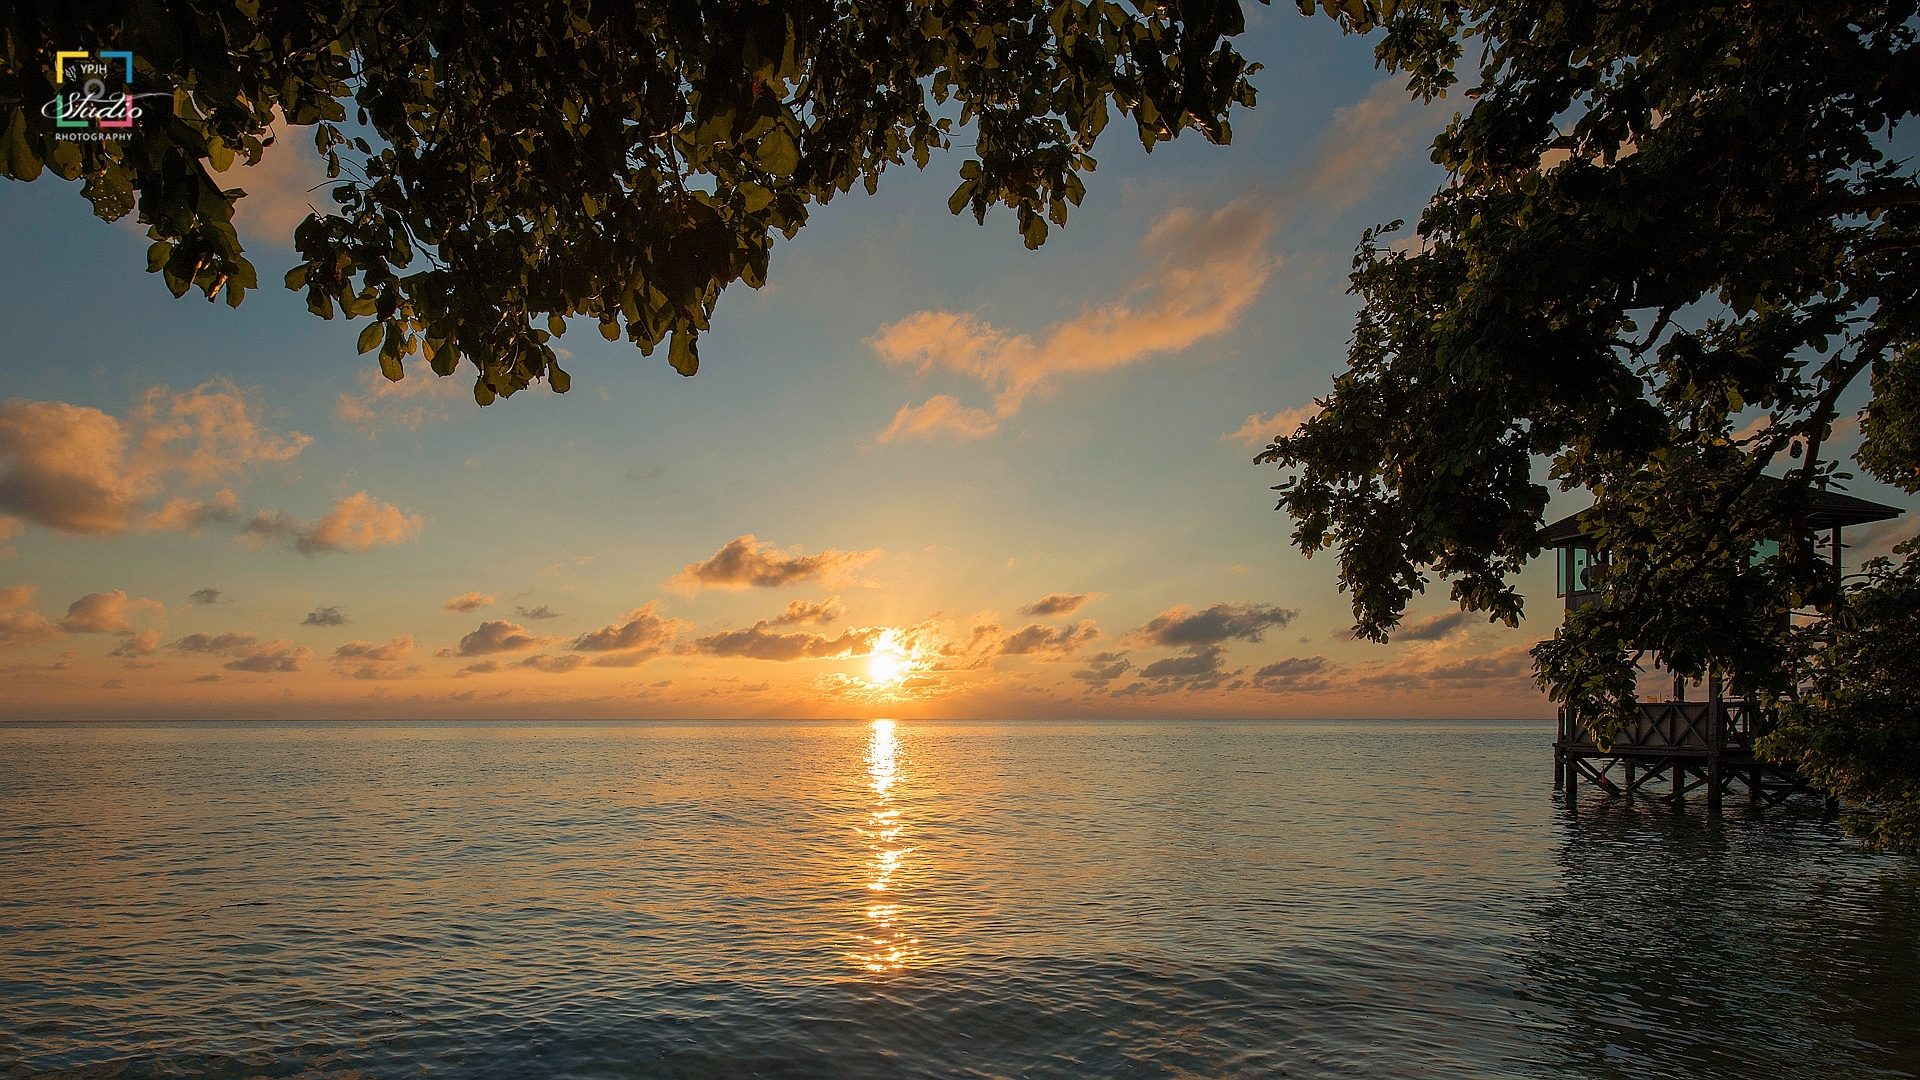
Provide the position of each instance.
(885, 945)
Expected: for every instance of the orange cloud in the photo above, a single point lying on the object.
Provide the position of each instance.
(108, 613)
(365, 660)
(747, 563)
(422, 397)
(1259, 430)
(213, 644)
(499, 636)
(144, 643)
(468, 602)
(358, 522)
(19, 624)
(761, 642)
(192, 515)
(80, 471)
(811, 612)
(289, 183)
(633, 639)
(1050, 642)
(277, 655)
(942, 414)
(1206, 272)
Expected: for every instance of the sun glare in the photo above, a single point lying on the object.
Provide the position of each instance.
(888, 665)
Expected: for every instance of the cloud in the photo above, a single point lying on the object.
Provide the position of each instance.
(209, 677)
(811, 612)
(1259, 430)
(358, 522)
(1432, 629)
(326, 616)
(541, 612)
(637, 636)
(213, 644)
(289, 183)
(422, 397)
(554, 665)
(941, 414)
(205, 596)
(761, 642)
(746, 563)
(497, 637)
(365, 660)
(1386, 125)
(468, 602)
(108, 613)
(1102, 669)
(80, 471)
(277, 655)
(1203, 660)
(20, 625)
(1050, 642)
(10, 527)
(484, 667)
(1183, 627)
(1430, 672)
(1059, 603)
(192, 515)
(1205, 270)
(1296, 674)
(144, 643)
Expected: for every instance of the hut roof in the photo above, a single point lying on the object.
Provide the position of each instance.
(1825, 510)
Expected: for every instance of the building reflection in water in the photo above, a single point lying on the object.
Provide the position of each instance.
(885, 945)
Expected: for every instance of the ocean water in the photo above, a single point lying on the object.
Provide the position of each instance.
(916, 899)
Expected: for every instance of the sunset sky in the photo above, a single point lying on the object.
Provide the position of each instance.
(924, 472)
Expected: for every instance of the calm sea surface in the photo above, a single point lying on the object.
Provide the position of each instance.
(917, 899)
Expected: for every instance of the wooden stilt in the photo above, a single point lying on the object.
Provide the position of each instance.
(1716, 738)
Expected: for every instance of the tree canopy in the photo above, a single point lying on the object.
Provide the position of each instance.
(505, 166)
(1673, 254)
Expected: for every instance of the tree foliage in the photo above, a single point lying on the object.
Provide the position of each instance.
(506, 166)
(1855, 731)
(1673, 251)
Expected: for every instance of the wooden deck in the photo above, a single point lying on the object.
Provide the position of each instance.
(1677, 746)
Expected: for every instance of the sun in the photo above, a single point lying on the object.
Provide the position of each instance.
(887, 665)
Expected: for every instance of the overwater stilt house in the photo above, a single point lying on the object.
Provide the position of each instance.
(1677, 744)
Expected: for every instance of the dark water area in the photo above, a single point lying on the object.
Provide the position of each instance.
(918, 900)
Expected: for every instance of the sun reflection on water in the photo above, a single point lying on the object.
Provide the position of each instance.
(885, 946)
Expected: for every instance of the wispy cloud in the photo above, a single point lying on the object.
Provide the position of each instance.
(1057, 604)
(811, 612)
(326, 616)
(748, 563)
(1206, 271)
(422, 397)
(468, 602)
(941, 414)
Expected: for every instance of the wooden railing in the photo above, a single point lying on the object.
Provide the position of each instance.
(1684, 726)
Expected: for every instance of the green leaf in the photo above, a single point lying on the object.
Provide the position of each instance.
(777, 153)
(370, 338)
(559, 380)
(684, 355)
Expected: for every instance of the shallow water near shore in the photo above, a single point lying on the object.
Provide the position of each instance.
(939, 899)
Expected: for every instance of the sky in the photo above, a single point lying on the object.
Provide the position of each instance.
(924, 472)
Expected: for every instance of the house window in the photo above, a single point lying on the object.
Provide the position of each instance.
(1570, 571)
